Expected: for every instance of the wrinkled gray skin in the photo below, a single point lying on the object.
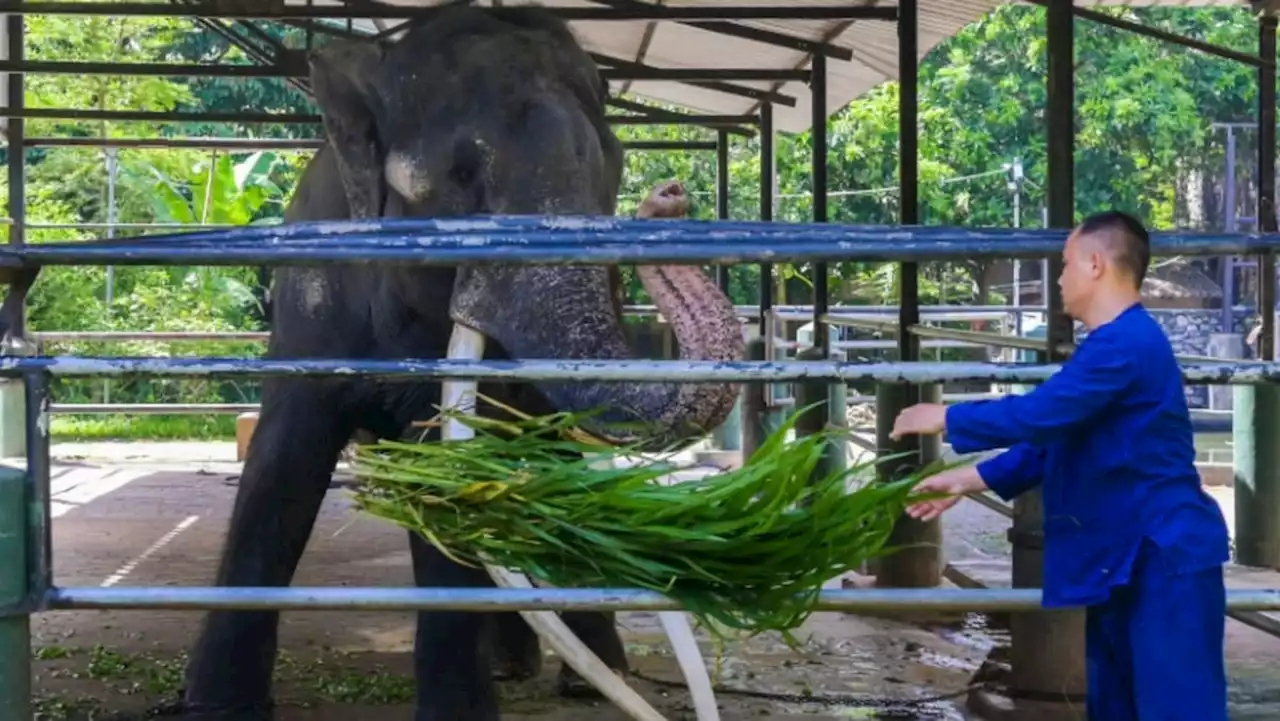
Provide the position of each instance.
(477, 111)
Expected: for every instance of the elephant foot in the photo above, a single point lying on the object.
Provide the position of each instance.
(517, 669)
(517, 661)
(182, 711)
(517, 652)
(571, 684)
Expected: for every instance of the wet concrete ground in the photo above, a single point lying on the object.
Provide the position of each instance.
(153, 514)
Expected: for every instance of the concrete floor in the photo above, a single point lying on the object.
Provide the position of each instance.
(153, 514)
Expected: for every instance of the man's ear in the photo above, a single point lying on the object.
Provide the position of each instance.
(343, 83)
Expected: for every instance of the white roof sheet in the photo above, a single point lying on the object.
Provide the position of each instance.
(670, 45)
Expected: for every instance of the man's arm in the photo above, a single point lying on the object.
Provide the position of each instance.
(1013, 472)
(1096, 375)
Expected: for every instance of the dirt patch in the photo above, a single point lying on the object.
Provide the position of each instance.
(847, 667)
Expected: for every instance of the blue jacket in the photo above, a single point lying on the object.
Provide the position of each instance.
(1110, 437)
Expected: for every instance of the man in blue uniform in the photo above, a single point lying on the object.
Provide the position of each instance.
(1129, 533)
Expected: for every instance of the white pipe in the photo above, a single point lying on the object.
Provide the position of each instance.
(466, 343)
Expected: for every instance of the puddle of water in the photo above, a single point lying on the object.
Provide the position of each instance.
(974, 630)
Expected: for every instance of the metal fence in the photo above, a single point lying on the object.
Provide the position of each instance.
(777, 318)
(25, 521)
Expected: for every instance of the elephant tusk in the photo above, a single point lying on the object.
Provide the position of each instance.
(467, 343)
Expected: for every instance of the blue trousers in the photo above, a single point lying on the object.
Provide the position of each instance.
(1154, 649)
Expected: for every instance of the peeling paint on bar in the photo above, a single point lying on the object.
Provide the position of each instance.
(552, 599)
(651, 371)
(579, 240)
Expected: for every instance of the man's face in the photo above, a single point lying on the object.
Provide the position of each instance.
(1081, 271)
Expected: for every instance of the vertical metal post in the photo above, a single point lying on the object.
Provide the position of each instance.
(814, 420)
(16, 42)
(40, 540)
(1229, 208)
(919, 564)
(11, 436)
(722, 197)
(17, 155)
(15, 627)
(755, 422)
(1256, 409)
(767, 175)
(727, 437)
(770, 417)
(818, 90)
(1058, 677)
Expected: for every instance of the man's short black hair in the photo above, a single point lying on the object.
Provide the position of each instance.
(1125, 235)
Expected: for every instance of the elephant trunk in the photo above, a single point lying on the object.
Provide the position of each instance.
(575, 318)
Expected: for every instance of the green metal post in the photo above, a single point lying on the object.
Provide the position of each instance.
(755, 426)
(728, 435)
(1256, 415)
(15, 628)
(815, 420)
(919, 562)
(838, 417)
(1256, 434)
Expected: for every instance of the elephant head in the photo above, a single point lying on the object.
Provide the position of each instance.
(500, 111)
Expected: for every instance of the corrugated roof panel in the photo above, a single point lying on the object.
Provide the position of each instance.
(695, 99)
(679, 46)
(620, 40)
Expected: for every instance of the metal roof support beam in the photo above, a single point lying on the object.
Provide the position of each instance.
(660, 115)
(224, 144)
(295, 70)
(157, 116)
(682, 118)
(723, 87)
(654, 118)
(743, 32)
(643, 11)
(58, 67)
(692, 74)
(265, 57)
(254, 144)
(1165, 36)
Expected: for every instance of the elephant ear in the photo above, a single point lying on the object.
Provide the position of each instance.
(343, 84)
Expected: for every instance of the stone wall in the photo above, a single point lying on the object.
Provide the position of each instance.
(1189, 331)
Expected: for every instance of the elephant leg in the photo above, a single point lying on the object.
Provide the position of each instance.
(300, 433)
(516, 649)
(599, 631)
(452, 650)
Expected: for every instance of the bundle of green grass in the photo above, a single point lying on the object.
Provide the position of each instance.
(746, 549)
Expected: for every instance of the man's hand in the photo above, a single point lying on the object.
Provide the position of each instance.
(957, 482)
(922, 419)
(667, 200)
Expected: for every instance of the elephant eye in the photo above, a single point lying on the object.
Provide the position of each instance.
(462, 175)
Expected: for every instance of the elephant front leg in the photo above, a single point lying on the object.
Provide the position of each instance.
(289, 465)
(517, 653)
(453, 650)
(599, 631)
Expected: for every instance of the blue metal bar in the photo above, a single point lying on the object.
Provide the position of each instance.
(580, 241)
(549, 599)
(645, 371)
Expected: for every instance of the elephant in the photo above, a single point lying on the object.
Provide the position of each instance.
(472, 112)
